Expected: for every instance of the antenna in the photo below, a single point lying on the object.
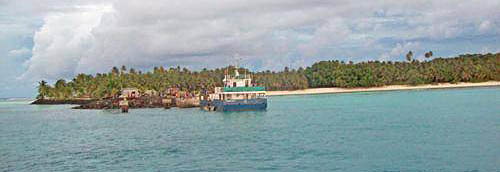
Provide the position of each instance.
(237, 58)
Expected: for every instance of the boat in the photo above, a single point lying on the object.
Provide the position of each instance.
(238, 94)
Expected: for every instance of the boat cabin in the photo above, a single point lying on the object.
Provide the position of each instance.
(237, 80)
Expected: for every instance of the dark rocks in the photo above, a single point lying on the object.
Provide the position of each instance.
(141, 102)
(134, 103)
(59, 102)
(187, 103)
(98, 104)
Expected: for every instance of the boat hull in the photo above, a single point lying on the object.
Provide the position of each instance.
(234, 105)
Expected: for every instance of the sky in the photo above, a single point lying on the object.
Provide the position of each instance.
(53, 39)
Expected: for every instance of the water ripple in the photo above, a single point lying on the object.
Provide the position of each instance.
(428, 130)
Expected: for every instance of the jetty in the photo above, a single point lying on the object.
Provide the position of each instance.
(133, 98)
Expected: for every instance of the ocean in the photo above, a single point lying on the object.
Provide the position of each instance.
(418, 130)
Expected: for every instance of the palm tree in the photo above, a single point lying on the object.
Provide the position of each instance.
(115, 70)
(409, 56)
(428, 54)
(123, 69)
(333, 73)
(132, 71)
(43, 89)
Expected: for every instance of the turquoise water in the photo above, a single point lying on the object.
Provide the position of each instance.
(421, 130)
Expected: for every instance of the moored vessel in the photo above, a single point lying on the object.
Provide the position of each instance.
(238, 94)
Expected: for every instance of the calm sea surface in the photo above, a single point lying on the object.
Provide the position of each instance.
(421, 130)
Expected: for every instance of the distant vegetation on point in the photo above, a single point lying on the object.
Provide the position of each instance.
(464, 68)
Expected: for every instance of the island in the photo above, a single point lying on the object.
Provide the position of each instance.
(182, 87)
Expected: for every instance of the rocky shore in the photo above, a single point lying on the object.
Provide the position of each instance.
(142, 102)
(113, 103)
(61, 102)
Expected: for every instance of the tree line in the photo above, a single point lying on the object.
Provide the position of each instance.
(333, 73)
(464, 68)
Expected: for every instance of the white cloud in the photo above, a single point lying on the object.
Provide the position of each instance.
(400, 50)
(85, 37)
(487, 26)
(62, 42)
(19, 52)
(331, 33)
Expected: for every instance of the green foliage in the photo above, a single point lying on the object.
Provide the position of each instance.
(465, 68)
(284, 80)
(43, 89)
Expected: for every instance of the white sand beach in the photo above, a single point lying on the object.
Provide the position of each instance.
(384, 88)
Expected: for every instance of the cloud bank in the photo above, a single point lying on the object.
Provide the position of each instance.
(93, 37)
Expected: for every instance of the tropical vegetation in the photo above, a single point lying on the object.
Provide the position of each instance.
(333, 73)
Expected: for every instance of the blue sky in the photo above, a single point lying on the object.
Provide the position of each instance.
(51, 39)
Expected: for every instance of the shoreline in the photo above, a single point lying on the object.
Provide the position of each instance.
(310, 91)
(333, 90)
(74, 101)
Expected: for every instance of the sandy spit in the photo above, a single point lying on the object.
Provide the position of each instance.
(384, 88)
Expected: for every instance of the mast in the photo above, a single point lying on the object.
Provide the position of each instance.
(238, 60)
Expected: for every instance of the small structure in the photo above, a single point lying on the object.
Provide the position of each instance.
(167, 102)
(124, 104)
(171, 91)
(151, 93)
(187, 102)
(131, 93)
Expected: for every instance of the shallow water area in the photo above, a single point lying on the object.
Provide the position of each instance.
(418, 130)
